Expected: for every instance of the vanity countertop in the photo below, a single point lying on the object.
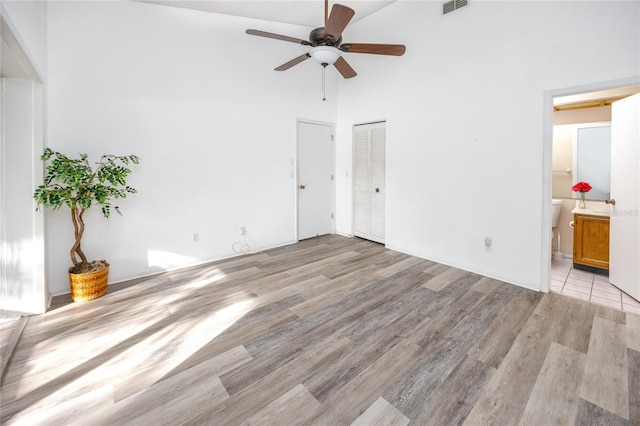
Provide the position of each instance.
(603, 211)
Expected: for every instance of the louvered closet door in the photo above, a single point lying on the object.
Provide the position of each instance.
(361, 196)
(369, 181)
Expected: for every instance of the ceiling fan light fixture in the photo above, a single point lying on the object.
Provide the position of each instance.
(325, 54)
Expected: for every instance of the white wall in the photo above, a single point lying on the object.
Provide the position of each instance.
(464, 111)
(197, 99)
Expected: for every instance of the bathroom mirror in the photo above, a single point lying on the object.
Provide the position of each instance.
(582, 153)
(593, 161)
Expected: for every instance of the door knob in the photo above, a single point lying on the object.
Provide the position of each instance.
(377, 189)
(302, 186)
(611, 201)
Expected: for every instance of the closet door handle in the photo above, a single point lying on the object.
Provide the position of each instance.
(377, 189)
(302, 187)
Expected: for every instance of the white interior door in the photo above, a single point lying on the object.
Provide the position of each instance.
(315, 180)
(361, 186)
(624, 250)
(369, 187)
(378, 179)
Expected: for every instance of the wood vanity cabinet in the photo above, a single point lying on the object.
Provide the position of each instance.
(591, 240)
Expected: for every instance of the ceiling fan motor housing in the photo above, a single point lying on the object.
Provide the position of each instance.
(316, 39)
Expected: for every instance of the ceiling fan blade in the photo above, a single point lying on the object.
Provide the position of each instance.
(344, 68)
(294, 61)
(278, 37)
(338, 21)
(376, 49)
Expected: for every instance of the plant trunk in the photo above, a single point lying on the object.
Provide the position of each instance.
(78, 228)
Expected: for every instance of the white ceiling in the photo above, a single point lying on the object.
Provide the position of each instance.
(309, 13)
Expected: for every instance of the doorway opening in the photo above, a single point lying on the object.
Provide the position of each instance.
(24, 288)
(567, 113)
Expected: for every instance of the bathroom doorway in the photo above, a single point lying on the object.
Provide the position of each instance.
(572, 110)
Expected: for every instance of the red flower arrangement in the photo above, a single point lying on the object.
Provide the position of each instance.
(581, 187)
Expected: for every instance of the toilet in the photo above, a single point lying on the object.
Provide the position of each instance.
(556, 208)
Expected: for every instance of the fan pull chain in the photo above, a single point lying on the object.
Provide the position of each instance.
(324, 91)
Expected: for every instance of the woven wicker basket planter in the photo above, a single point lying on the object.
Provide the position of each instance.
(88, 286)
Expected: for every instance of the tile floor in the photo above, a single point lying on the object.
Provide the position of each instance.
(588, 286)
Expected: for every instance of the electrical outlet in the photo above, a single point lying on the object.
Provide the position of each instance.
(243, 230)
(487, 243)
(196, 237)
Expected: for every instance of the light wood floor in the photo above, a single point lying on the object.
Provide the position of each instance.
(332, 331)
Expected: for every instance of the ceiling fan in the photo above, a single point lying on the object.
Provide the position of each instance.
(326, 42)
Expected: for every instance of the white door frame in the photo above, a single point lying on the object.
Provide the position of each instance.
(36, 297)
(333, 172)
(547, 149)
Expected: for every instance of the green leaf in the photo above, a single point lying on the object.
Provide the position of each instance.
(74, 182)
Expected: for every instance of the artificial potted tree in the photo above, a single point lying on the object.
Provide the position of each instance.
(76, 184)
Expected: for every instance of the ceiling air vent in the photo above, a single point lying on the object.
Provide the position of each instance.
(452, 5)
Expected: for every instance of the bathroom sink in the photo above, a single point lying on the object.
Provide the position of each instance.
(595, 212)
